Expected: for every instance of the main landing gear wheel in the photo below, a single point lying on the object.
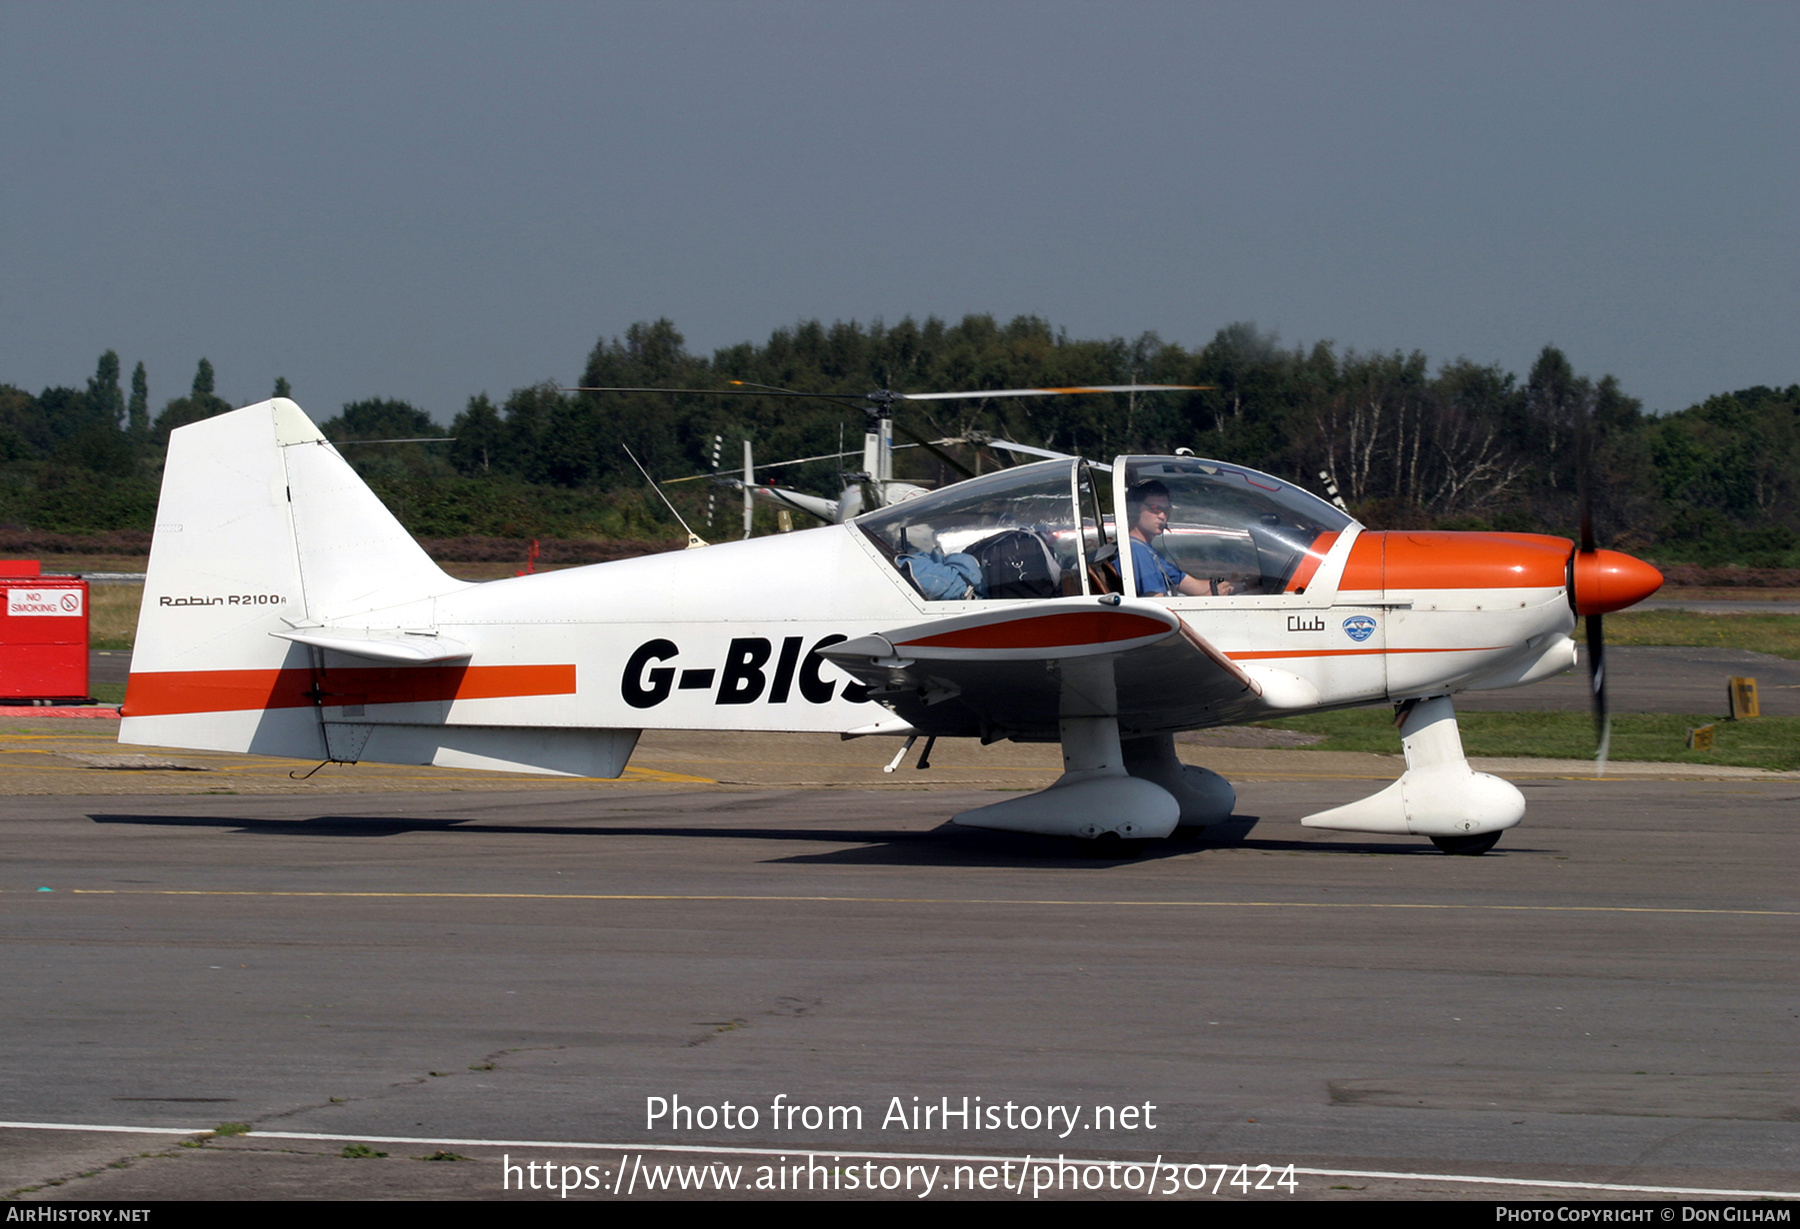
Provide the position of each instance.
(1470, 845)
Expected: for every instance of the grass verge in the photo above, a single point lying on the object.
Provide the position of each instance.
(113, 615)
(1777, 635)
(1766, 742)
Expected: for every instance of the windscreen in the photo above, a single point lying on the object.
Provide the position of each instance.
(1232, 530)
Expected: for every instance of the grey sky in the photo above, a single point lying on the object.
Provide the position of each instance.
(428, 201)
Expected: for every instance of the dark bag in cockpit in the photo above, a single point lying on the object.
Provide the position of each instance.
(1016, 564)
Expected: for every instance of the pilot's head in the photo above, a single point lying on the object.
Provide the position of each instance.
(1147, 509)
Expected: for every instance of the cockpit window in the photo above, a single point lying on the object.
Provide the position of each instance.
(1013, 534)
(1232, 530)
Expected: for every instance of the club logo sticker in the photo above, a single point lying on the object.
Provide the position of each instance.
(1359, 627)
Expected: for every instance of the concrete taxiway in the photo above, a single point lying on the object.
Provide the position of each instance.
(474, 964)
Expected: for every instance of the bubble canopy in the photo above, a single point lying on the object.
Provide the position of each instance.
(1263, 534)
(1044, 518)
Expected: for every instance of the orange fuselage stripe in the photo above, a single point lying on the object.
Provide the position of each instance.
(1489, 648)
(165, 693)
(1309, 565)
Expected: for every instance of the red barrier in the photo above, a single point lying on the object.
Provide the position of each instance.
(43, 636)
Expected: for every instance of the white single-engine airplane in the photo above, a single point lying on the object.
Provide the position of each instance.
(287, 612)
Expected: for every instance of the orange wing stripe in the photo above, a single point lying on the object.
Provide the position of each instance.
(1048, 632)
(166, 693)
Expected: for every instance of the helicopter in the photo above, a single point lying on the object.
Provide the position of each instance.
(874, 486)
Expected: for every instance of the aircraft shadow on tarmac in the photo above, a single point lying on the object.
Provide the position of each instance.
(945, 845)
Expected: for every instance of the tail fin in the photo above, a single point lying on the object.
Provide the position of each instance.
(261, 527)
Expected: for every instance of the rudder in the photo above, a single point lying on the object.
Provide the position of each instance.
(261, 527)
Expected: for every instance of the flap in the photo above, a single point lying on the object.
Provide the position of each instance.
(1014, 673)
(413, 648)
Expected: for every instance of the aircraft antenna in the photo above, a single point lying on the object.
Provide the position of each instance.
(694, 539)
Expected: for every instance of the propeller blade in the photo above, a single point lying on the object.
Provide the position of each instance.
(1596, 642)
(1596, 636)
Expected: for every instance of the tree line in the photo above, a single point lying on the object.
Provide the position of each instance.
(1462, 445)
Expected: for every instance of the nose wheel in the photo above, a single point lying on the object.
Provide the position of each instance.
(1471, 846)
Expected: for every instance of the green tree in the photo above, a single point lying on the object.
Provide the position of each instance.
(138, 411)
(399, 470)
(589, 429)
(1729, 473)
(563, 440)
(479, 445)
(381, 419)
(200, 403)
(63, 412)
(1557, 406)
(282, 388)
(105, 402)
(19, 424)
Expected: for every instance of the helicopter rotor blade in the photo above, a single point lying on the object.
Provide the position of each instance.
(762, 465)
(985, 440)
(747, 388)
(838, 398)
(935, 451)
(1059, 392)
(698, 392)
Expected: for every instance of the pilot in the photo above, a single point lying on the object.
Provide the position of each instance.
(1147, 510)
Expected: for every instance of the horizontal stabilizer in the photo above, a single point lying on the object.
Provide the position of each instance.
(380, 645)
(813, 505)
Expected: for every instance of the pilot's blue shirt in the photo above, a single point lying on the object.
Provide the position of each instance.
(1154, 573)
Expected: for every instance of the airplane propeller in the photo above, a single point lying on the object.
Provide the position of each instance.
(1596, 630)
(1601, 581)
